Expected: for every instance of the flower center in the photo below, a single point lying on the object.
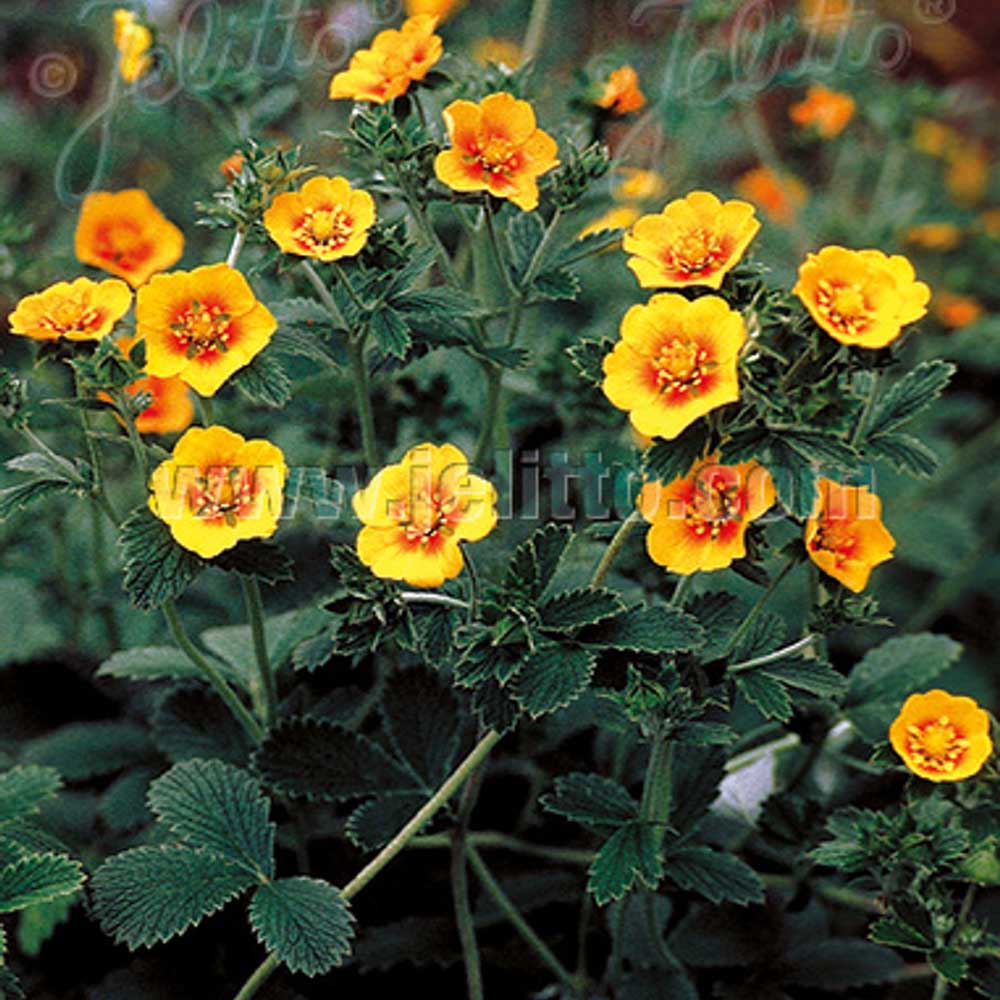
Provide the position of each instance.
(324, 228)
(498, 157)
(696, 251)
(201, 328)
(426, 515)
(223, 492)
(69, 314)
(936, 745)
(837, 537)
(716, 502)
(123, 244)
(844, 306)
(681, 366)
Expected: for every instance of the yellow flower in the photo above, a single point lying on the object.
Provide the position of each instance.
(416, 513)
(326, 220)
(125, 234)
(861, 297)
(496, 147)
(439, 8)
(637, 184)
(699, 520)
(619, 217)
(201, 325)
(827, 111)
(827, 17)
(170, 408)
(133, 41)
(968, 173)
(934, 235)
(934, 138)
(675, 362)
(395, 60)
(621, 94)
(694, 240)
(499, 51)
(941, 736)
(956, 311)
(77, 310)
(217, 489)
(845, 536)
(779, 196)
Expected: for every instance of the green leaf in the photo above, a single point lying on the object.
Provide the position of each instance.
(914, 392)
(904, 453)
(85, 750)
(949, 964)
(557, 283)
(10, 987)
(717, 876)
(535, 562)
(219, 807)
(193, 721)
(697, 773)
(666, 461)
(551, 678)
(494, 707)
(306, 758)
(38, 878)
(719, 613)
(435, 629)
(151, 894)
(301, 312)
(26, 627)
(23, 790)
(156, 568)
(575, 608)
(824, 449)
(524, 232)
(422, 719)
(631, 854)
(122, 806)
(897, 933)
(265, 381)
(657, 629)
(308, 344)
(587, 357)
(14, 498)
(154, 663)
(390, 332)
(840, 964)
(259, 557)
(38, 923)
(375, 822)
(592, 800)
(304, 922)
(815, 676)
(766, 694)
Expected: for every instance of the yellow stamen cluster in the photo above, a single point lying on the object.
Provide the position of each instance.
(937, 745)
(844, 306)
(680, 366)
(202, 329)
(836, 537)
(694, 251)
(70, 314)
(322, 228)
(222, 492)
(428, 516)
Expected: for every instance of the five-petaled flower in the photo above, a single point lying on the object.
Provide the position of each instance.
(133, 39)
(695, 240)
(125, 234)
(675, 362)
(621, 94)
(170, 408)
(496, 147)
(396, 59)
(416, 513)
(845, 536)
(824, 110)
(217, 489)
(77, 310)
(201, 325)
(699, 520)
(326, 220)
(941, 736)
(861, 297)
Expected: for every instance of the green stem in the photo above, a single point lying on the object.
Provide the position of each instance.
(862, 425)
(504, 842)
(362, 396)
(460, 889)
(518, 922)
(349, 288)
(534, 266)
(680, 589)
(536, 30)
(429, 233)
(417, 597)
(255, 614)
(744, 626)
(236, 247)
(482, 458)
(614, 547)
(657, 785)
(503, 271)
(218, 682)
(323, 294)
(470, 568)
(778, 654)
(260, 976)
(123, 403)
(207, 408)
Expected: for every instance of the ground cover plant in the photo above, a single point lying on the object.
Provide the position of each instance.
(498, 498)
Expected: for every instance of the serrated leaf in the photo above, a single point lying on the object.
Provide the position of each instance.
(551, 678)
(494, 707)
(23, 789)
(524, 232)
(815, 676)
(630, 855)
(38, 922)
(949, 964)
(122, 807)
(390, 332)
(766, 694)
(719, 613)
(899, 666)
(914, 392)
(193, 721)
(154, 663)
(666, 461)
(219, 807)
(657, 629)
(306, 758)
(839, 964)
(155, 568)
(435, 630)
(85, 750)
(697, 773)
(587, 357)
(259, 557)
(302, 343)
(576, 608)
(375, 822)
(264, 380)
(10, 986)
(557, 283)
(717, 876)
(827, 450)
(904, 453)
(897, 933)
(304, 922)
(38, 878)
(592, 800)
(151, 894)
(766, 633)
(301, 312)
(14, 498)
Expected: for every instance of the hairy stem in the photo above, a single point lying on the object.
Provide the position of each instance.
(236, 247)
(744, 626)
(657, 785)
(255, 614)
(460, 889)
(778, 654)
(614, 547)
(363, 399)
(536, 29)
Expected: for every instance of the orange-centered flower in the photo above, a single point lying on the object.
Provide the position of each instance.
(217, 489)
(125, 234)
(941, 736)
(326, 220)
(416, 513)
(133, 41)
(779, 196)
(496, 147)
(824, 110)
(201, 325)
(695, 240)
(699, 520)
(396, 58)
(861, 297)
(621, 94)
(170, 408)
(77, 310)
(845, 536)
(675, 362)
